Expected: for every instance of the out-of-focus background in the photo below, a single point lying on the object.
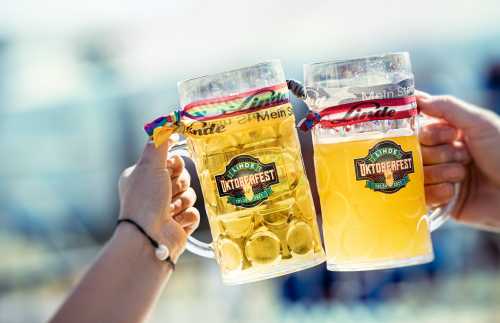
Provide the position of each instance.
(79, 79)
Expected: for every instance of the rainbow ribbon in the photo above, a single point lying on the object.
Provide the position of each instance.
(312, 118)
(160, 129)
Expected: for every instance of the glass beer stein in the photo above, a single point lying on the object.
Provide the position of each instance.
(368, 163)
(240, 132)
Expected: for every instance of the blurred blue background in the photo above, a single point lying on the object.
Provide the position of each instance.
(79, 79)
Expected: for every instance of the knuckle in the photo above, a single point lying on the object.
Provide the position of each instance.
(187, 198)
(429, 174)
(178, 161)
(439, 194)
(178, 186)
(446, 98)
(183, 183)
(126, 172)
(186, 176)
(457, 171)
(444, 191)
(446, 154)
(190, 217)
(196, 216)
(194, 196)
(425, 133)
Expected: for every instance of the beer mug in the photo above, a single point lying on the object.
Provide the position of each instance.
(239, 130)
(368, 163)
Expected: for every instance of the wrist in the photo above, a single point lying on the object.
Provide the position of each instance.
(137, 247)
(163, 231)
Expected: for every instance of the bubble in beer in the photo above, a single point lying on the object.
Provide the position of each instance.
(237, 225)
(303, 208)
(230, 254)
(263, 247)
(291, 169)
(213, 161)
(220, 144)
(209, 188)
(277, 213)
(275, 218)
(263, 142)
(287, 135)
(300, 238)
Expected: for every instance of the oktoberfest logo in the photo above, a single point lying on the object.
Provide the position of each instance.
(247, 182)
(386, 167)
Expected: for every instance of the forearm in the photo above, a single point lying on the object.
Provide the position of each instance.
(122, 285)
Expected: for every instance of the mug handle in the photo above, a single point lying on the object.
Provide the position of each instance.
(438, 216)
(194, 245)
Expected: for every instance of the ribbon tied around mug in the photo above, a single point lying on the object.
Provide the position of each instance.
(210, 110)
(355, 110)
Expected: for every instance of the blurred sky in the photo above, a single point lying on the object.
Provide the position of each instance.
(181, 39)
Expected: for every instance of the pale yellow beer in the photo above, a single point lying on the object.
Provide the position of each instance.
(362, 225)
(369, 170)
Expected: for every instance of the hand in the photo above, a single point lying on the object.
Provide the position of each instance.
(462, 146)
(156, 194)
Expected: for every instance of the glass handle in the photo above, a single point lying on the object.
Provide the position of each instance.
(439, 215)
(194, 245)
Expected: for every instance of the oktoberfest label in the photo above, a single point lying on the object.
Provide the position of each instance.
(386, 167)
(368, 110)
(246, 181)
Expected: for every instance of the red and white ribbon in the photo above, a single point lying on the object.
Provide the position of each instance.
(368, 110)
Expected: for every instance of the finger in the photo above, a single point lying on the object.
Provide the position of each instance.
(437, 133)
(175, 165)
(441, 173)
(189, 219)
(182, 201)
(438, 194)
(154, 157)
(123, 179)
(181, 183)
(422, 94)
(453, 110)
(441, 154)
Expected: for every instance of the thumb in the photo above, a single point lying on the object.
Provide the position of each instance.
(154, 157)
(457, 113)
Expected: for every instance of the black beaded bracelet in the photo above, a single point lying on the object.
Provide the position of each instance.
(161, 250)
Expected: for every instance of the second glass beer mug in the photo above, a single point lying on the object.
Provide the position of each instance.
(240, 132)
(368, 163)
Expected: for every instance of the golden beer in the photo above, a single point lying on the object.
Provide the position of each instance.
(278, 234)
(362, 225)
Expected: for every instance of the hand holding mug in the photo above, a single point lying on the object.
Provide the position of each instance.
(463, 145)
